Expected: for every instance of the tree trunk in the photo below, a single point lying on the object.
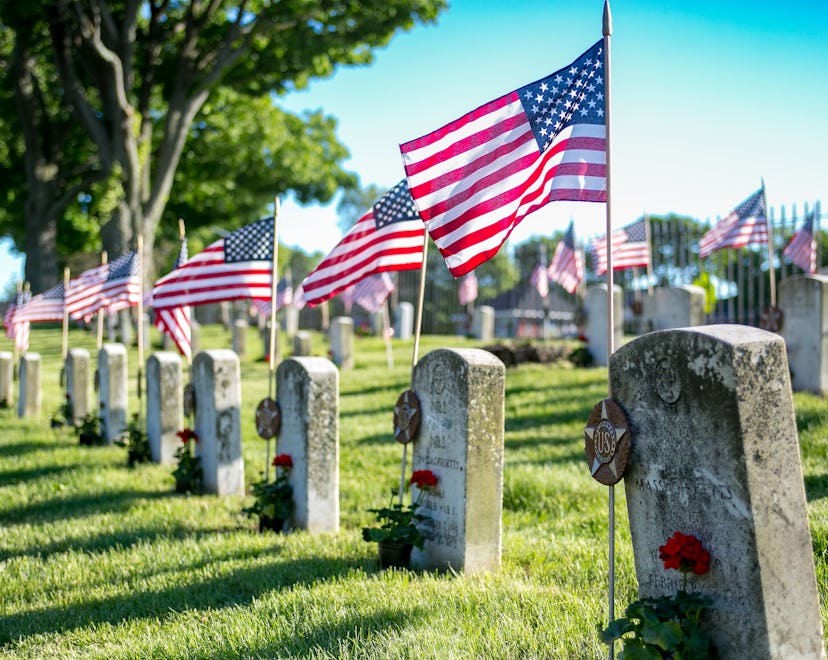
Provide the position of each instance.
(41, 238)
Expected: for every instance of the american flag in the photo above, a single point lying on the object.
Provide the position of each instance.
(745, 224)
(112, 286)
(235, 267)
(476, 178)
(284, 296)
(802, 249)
(540, 280)
(567, 267)
(175, 321)
(46, 306)
(467, 291)
(630, 248)
(371, 292)
(16, 330)
(299, 297)
(389, 237)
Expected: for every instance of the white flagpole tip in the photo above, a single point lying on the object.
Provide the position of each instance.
(607, 22)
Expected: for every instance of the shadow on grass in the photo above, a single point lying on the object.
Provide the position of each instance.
(816, 487)
(10, 477)
(239, 588)
(13, 449)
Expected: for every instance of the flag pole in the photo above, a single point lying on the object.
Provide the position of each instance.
(771, 267)
(101, 310)
(64, 344)
(607, 32)
(647, 235)
(271, 378)
(15, 350)
(386, 333)
(188, 357)
(415, 355)
(140, 332)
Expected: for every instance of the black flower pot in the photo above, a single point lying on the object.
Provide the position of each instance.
(395, 555)
(272, 524)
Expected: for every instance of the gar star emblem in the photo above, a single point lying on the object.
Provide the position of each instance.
(607, 445)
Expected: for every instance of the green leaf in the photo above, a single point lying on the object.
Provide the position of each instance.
(667, 635)
(616, 629)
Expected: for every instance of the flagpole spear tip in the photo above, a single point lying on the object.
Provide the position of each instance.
(607, 22)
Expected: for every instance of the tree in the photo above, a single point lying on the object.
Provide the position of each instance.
(108, 91)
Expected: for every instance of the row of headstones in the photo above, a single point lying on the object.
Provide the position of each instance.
(714, 454)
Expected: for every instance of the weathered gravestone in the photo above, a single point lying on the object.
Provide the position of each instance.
(112, 390)
(302, 344)
(308, 393)
(291, 320)
(265, 333)
(715, 455)
(676, 307)
(217, 382)
(28, 402)
(240, 337)
(77, 383)
(405, 321)
(165, 405)
(804, 301)
(195, 336)
(596, 309)
(6, 379)
(483, 324)
(342, 342)
(461, 393)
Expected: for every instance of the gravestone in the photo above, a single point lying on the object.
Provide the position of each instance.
(308, 393)
(165, 405)
(125, 326)
(302, 344)
(240, 337)
(405, 321)
(112, 391)
(146, 332)
(461, 393)
(217, 382)
(265, 334)
(291, 321)
(804, 301)
(677, 307)
(715, 455)
(195, 336)
(28, 402)
(342, 342)
(111, 323)
(483, 323)
(6, 379)
(596, 309)
(77, 383)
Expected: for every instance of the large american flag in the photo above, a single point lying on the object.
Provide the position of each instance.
(467, 291)
(175, 321)
(567, 267)
(476, 178)
(235, 267)
(802, 250)
(630, 248)
(112, 286)
(389, 237)
(44, 307)
(745, 224)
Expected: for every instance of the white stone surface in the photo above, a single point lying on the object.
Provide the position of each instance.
(596, 306)
(342, 342)
(77, 382)
(6, 378)
(804, 302)
(404, 327)
(29, 399)
(302, 344)
(483, 324)
(165, 405)
(677, 307)
(112, 390)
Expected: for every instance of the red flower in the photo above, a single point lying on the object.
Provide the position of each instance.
(685, 553)
(283, 460)
(423, 479)
(185, 435)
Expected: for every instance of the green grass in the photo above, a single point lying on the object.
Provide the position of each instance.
(98, 560)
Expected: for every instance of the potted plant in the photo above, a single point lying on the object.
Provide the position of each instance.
(274, 499)
(668, 626)
(188, 473)
(397, 531)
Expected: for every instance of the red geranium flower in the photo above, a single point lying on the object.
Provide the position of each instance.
(283, 460)
(185, 435)
(423, 479)
(685, 553)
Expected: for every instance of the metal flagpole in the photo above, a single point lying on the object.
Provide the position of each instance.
(607, 32)
(140, 332)
(104, 260)
(771, 267)
(415, 355)
(271, 378)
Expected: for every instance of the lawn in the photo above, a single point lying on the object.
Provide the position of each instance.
(99, 560)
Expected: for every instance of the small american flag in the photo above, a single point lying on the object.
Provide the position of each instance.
(175, 321)
(235, 267)
(389, 237)
(802, 250)
(112, 286)
(17, 330)
(372, 292)
(44, 307)
(284, 296)
(567, 267)
(467, 291)
(745, 224)
(540, 280)
(476, 178)
(630, 248)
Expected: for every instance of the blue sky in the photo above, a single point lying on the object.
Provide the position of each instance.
(708, 97)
